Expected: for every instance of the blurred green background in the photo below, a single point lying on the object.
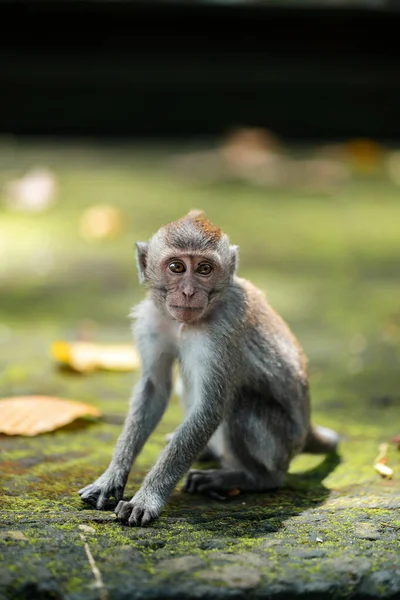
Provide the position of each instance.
(324, 247)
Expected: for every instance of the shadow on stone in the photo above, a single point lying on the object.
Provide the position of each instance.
(252, 515)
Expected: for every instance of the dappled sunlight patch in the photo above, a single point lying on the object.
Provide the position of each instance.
(102, 221)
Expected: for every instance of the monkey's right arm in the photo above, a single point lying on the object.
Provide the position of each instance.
(149, 400)
(209, 395)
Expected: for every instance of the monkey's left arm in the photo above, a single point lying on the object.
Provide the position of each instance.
(187, 442)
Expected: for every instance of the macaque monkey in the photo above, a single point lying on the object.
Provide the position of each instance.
(243, 378)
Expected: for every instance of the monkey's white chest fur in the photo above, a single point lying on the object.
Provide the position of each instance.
(195, 357)
(194, 350)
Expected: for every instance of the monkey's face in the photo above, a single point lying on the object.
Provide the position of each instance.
(190, 283)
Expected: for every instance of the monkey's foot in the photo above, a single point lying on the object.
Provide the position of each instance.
(141, 510)
(216, 483)
(106, 486)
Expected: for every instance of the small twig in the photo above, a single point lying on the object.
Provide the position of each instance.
(95, 570)
(390, 525)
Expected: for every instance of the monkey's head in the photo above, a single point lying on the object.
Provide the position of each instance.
(187, 266)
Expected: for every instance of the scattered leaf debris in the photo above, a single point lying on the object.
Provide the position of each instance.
(86, 357)
(32, 415)
(380, 464)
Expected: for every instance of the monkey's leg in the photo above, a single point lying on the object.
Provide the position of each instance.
(255, 458)
(217, 483)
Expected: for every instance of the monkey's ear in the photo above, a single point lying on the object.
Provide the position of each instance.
(141, 258)
(234, 259)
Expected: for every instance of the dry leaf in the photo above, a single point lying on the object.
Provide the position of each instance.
(87, 356)
(31, 415)
(383, 470)
(234, 492)
(380, 462)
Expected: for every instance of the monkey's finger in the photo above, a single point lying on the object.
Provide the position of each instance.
(123, 510)
(89, 498)
(85, 489)
(185, 486)
(147, 517)
(188, 486)
(136, 516)
(206, 489)
(197, 481)
(102, 500)
(212, 494)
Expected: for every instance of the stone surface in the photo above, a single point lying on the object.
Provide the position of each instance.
(329, 265)
(366, 531)
(233, 576)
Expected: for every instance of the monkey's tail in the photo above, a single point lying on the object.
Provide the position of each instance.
(321, 440)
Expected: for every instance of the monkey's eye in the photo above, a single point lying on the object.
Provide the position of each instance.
(204, 269)
(177, 267)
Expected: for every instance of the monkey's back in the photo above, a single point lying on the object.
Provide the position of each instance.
(273, 367)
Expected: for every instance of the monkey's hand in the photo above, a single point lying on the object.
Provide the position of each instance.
(143, 508)
(110, 484)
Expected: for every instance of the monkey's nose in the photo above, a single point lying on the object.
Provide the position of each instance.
(188, 292)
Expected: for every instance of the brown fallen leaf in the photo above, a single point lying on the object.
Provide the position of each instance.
(32, 415)
(234, 492)
(87, 356)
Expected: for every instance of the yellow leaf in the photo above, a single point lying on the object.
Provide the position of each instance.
(380, 462)
(87, 356)
(31, 415)
(383, 470)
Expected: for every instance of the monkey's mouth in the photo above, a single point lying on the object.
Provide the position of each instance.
(186, 307)
(186, 314)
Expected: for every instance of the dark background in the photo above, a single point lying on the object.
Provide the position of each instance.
(188, 69)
